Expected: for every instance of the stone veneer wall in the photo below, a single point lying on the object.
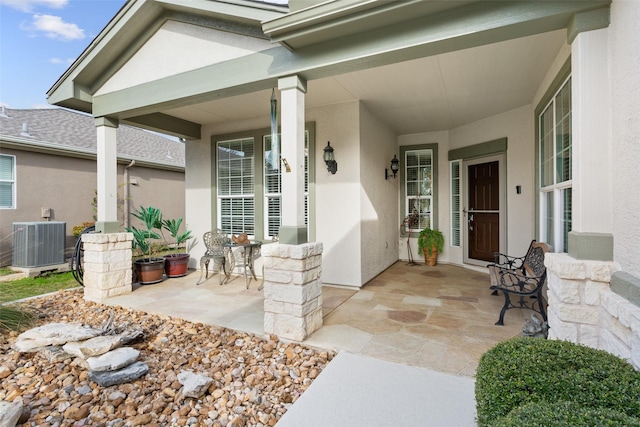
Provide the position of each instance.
(292, 289)
(584, 310)
(107, 265)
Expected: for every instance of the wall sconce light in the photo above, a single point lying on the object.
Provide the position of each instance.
(395, 166)
(329, 158)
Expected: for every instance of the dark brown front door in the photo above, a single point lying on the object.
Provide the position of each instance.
(483, 214)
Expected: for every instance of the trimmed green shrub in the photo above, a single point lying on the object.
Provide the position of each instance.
(525, 370)
(565, 414)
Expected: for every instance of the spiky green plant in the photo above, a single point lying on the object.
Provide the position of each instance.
(142, 238)
(15, 318)
(173, 227)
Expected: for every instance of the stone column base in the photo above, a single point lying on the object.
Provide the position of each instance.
(107, 265)
(292, 289)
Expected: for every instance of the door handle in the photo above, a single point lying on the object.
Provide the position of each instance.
(470, 221)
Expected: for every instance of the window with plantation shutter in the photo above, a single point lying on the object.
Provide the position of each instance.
(236, 186)
(273, 189)
(455, 203)
(419, 186)
(555, 170)
(7, 182)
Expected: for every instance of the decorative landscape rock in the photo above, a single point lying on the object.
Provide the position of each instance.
(127, 374)
(54, 353)
(10, 413)
(114, 359)
(268, 374)
(53, 334)
(93, 346)
(194, 385)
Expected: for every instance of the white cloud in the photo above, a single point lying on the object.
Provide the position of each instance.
(55, 28)
(57, 61)
(30, 5)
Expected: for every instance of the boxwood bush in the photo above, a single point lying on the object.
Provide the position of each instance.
(547, 372)
(565, 414)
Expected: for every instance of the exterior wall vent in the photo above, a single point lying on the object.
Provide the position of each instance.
(37, 244)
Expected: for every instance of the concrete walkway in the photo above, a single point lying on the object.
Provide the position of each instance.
(355, 390)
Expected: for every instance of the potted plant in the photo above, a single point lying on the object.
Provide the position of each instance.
(149, 269)
(177, 263)
(430, 243)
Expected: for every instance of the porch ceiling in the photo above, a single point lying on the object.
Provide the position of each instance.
(429, 94)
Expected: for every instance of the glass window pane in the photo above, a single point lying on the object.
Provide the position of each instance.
(455, 203)
(6, 168)
(555, 142)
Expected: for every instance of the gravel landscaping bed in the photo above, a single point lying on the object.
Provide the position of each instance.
(255, 379)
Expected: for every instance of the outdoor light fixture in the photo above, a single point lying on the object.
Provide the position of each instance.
(395, 166)
(329, 159)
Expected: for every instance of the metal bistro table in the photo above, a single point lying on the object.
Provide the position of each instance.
(250, 251)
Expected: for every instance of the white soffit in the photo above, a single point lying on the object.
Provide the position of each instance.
(429, 94)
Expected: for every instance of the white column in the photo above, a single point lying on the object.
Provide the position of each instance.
(107, 171)
(591, 132)
(592, 203)
(293, 89)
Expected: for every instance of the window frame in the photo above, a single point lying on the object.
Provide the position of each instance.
(434, 181)
(455, 212)
(12, 181)
(260, 210)
(554, 215)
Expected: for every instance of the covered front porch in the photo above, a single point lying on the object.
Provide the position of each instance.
(441, 317)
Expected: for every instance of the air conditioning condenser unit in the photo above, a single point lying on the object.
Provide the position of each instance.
(37, 244)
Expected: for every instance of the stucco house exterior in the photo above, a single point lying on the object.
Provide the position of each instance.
(49, 172)
(512, 121)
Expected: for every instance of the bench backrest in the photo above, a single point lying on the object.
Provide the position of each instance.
(534, 260)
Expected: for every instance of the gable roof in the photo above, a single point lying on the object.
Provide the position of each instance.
(64, 132)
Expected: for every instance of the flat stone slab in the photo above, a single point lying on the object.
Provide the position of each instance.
(121, 376)
(114, 359)
(93, 346)
(10, 413)
(53, 334)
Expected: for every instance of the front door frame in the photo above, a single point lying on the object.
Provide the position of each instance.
(502, 183)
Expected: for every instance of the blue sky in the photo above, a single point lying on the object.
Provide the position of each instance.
(39, 39)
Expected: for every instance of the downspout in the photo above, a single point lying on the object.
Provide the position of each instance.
(126, 194)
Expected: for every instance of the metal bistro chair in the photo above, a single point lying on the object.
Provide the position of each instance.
(221, 256)
(523, 277)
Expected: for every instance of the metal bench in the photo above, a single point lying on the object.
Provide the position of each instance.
(523, 277)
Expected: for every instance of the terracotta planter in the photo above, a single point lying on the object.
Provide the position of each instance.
(149, 270)
(433, 258)
(176, 265)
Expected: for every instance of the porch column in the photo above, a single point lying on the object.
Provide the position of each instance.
(591, 237)
(293, 230)
(107, 171)
(107, 252)
(292, 289)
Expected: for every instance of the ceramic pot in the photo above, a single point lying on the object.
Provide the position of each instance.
(176, 265)
(149, 270)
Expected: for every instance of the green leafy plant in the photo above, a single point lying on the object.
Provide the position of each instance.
(173, 227)
(429, 239)
(525, 371)
(143, 239)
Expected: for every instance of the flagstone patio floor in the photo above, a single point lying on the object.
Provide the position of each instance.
(441, 317)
